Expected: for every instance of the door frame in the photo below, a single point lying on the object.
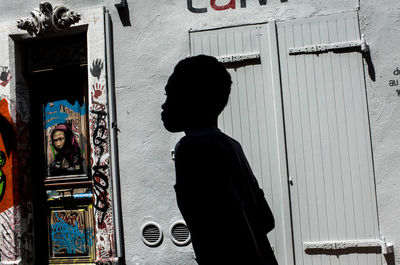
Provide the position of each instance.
(93, 21)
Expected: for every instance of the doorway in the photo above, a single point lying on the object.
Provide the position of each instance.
(56, 71)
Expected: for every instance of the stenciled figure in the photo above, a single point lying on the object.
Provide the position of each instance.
(66, 152)
(216, 191)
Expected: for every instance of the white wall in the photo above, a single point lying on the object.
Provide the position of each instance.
(145, 54)
(159, 40)
(381, 24)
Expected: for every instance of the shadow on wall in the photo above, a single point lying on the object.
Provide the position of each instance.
(123, 12)
(371, 68)
(367, 57)
(390, 260)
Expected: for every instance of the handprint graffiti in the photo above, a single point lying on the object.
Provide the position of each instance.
(97, 67)
(5, 75)
(98, 90)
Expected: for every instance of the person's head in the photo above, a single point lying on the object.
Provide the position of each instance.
(62, 137)
(58, 139)
(197, 92)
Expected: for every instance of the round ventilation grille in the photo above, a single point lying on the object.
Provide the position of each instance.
(180, 234)
(151, 234)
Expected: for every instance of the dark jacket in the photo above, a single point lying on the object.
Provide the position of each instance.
(221, 202)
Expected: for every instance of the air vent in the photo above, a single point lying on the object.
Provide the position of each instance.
(151, 234)
(180, 234)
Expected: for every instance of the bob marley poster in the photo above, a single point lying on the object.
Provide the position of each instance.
(65, 130)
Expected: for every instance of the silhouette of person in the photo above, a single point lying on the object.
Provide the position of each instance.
(217, 193)
(67, 154)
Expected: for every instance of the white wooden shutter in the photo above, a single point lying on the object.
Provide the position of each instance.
(254, 113)
(328, 141)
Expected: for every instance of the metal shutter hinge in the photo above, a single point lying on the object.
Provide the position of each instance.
(338, 245)
(238, 57)
(318, 48)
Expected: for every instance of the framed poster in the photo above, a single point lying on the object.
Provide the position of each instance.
(71, 235)
(65, 133)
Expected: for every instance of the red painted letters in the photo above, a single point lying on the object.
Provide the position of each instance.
(231, 4)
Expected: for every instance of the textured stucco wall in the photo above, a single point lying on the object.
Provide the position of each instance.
(145, 57)
(158, 38)
(380, 22)
(147, 50)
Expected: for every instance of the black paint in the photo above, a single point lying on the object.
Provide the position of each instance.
(96, 68)
(100, 178)
(2, 175)
(8, 134)
(8, 234)
(4, 73)
(393, 82)
(262, 2)
(193, 9)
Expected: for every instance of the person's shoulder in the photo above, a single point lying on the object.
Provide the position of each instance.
(233, 141)
(191, 144)
(228, 140)
(190, 140)
(210, 143)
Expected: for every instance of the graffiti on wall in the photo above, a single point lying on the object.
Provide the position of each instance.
(16, 216)
(99, 134)
(100, 164)
(7, 144)
(69, 233)
(220, 7)
(60, 111)
(8, 222)
(100, 168)
(97, 67)
(5, 75)
(105, 237)
(16, 243)
(65, 137)
(98, 90)
(21, 111)
(2, 175)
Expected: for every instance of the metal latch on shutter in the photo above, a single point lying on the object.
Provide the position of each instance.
(238, 57)
(318, 48)
(338, 245)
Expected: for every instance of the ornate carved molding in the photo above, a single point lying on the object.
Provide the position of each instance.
(48, 19)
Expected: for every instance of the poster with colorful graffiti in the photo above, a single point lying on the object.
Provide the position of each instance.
(71, 233)
(65, 137)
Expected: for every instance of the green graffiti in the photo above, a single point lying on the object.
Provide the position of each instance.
(2, 176)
